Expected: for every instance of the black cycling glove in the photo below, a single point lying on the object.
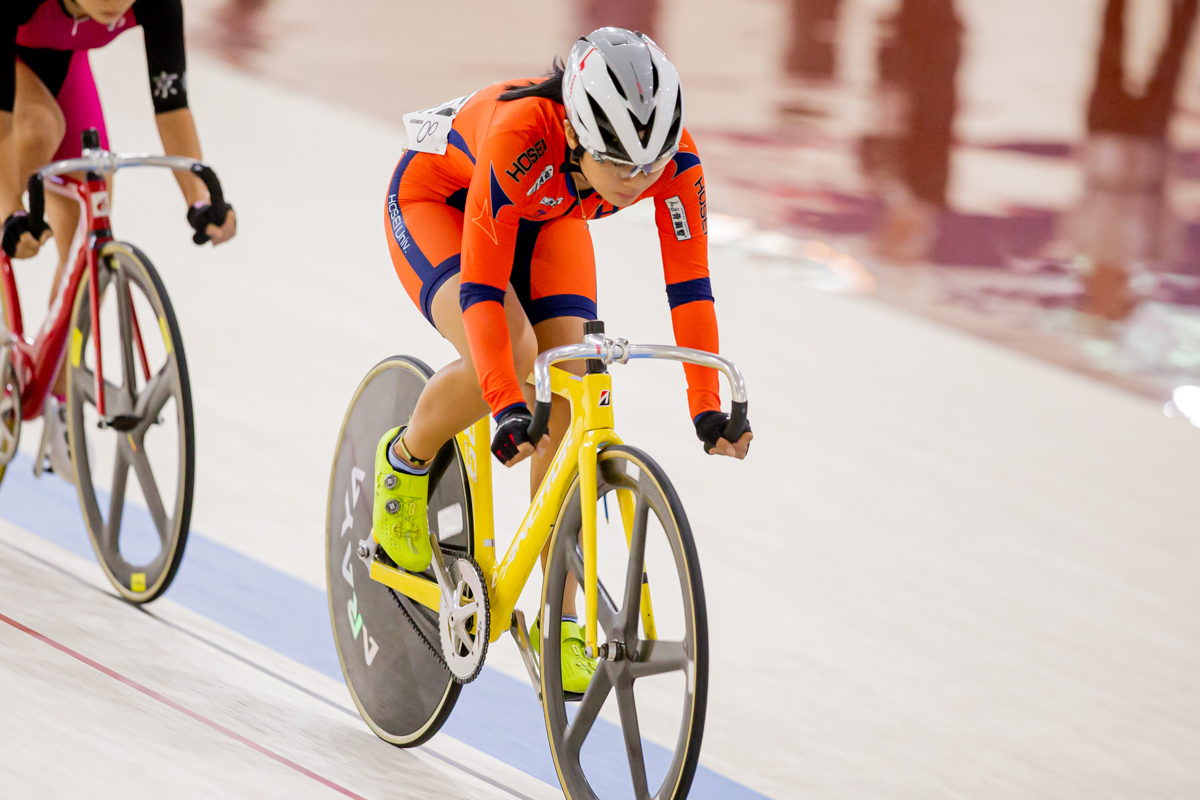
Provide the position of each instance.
(16, 226)
(710, 427)
(201, 216)
(512, 430)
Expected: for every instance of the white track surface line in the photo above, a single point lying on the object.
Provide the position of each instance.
(204, 698)
(946, 570)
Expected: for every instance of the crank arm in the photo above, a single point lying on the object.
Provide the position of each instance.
(439, 571)
(414, 587)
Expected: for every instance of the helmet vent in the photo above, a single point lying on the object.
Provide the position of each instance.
(612, 143)
(617, 83)
(676, 123)
(653, 78)
(643, 131)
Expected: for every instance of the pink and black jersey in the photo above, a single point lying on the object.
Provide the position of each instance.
(45, 37)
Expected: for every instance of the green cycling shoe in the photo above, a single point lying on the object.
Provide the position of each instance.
(399, 514)
(577, 668)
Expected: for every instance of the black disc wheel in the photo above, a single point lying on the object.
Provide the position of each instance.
(141, 452)
(388, 645)
(653, 683)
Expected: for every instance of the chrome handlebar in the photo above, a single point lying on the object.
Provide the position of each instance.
(619, 351)
(96, 161)
(105, 162)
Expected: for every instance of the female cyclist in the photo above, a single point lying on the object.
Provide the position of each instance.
(487, 227)
(48, 98)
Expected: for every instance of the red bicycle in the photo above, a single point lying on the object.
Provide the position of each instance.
(128, 402)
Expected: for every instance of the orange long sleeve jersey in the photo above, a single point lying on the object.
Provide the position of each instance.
(508, 157)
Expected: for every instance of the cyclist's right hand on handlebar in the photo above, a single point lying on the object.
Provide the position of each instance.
(511, 443)
(212, 223)
(710, 429)
(20, 240)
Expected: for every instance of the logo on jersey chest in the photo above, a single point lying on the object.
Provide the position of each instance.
(552, 201)
(546, 175)
(526, 160)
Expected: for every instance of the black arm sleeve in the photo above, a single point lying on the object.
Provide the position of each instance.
(166, 53)
(13, 14)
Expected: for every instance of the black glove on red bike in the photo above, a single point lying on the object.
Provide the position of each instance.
(710, 428)
(201, 216)
(17, 225)
(512, 430)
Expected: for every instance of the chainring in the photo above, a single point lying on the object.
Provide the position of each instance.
(465, 628)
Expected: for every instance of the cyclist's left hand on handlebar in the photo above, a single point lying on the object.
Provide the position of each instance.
(18, 240)
(511, 443)
(710, 428)
(204, 220)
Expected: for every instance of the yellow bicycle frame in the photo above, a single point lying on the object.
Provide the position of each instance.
(591, 430)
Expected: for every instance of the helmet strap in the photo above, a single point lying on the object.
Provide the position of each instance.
(574, 155)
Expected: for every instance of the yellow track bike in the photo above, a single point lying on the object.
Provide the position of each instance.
(408, 642)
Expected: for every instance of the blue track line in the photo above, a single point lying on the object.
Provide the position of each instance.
(496, 714)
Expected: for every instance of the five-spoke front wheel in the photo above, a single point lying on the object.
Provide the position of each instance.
(653, 679)
(141, 451)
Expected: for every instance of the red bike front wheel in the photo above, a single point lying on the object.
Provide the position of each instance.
(138, 528)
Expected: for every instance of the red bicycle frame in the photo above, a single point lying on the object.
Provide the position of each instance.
(37, 361)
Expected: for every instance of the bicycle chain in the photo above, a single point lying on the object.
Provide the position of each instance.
(436, 650)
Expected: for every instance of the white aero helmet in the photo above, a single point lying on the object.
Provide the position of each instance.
(623, 97)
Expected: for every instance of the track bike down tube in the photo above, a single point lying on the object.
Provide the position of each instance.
(12, 303)
(513, 571)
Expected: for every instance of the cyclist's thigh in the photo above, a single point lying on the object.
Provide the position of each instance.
(560, 293)
(38, 121)
(554, 273)
(81, 109)
(448, 319)
(424, 239)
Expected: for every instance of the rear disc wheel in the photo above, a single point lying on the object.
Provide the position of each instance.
(388, 645)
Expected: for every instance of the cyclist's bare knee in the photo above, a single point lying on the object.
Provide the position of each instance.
(37, 121)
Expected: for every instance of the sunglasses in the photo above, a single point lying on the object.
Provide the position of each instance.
(627, 169)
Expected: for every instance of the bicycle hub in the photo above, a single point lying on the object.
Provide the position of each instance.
(612, 651)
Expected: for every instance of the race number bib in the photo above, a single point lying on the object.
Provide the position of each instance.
(429, 130)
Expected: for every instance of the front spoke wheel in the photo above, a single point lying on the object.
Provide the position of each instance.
(653, 683)
(138, 510)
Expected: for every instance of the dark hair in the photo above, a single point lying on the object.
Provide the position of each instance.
(551, 88)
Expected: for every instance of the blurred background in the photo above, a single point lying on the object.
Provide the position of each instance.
(955, 246)
(1026, 171)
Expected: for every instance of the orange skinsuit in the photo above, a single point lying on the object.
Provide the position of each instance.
(499, 206)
